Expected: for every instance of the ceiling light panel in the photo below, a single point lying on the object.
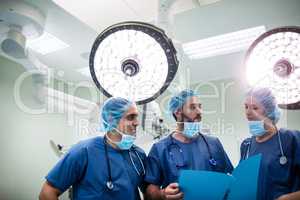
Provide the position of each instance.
(46, 44)
(222, 44)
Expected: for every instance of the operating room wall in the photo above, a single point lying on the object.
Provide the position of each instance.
(25, 153)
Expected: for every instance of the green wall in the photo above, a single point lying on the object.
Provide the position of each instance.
(25, 153)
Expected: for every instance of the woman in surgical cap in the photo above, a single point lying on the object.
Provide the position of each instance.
(109, 167)
(279, 175)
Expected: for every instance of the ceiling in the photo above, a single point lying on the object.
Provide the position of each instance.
(78, 23)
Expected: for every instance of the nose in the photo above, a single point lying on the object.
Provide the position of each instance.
(249, 113)
(199, 110)
(135, 122)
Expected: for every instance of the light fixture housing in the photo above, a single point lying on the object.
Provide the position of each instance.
(20, 21)
(134, 60)
(273, 61)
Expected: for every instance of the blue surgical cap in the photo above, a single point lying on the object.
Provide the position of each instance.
(179, 100)
(112, 111)
(266, 98)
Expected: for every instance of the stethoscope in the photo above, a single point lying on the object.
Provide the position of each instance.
(173, 144)
(282, 160)
(109, 182)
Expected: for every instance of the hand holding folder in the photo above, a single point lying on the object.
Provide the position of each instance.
(207, 185)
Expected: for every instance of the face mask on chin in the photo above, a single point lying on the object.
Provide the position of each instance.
(257, 128)
(191, 127)
(126, 141)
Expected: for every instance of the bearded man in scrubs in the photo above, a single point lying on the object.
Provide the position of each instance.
(185, 148)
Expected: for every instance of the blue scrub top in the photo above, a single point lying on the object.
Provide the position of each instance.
(84, 168)
(168, 156)
(275, 179)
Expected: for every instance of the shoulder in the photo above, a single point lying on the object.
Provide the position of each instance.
(290, 135)
(213, 142)
(139, 150)
(163, 143)
(287, 134)
(159, 147)
(210, 139)
(246, 142)
(84, 145)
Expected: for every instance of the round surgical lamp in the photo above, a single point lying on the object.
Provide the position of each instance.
(134, 60)
(273, 61)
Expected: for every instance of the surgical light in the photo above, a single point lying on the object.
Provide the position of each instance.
(134, 60)
(273, 60)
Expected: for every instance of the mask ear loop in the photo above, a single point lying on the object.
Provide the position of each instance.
(180, 123)
(266, 120)
(106, 135)
(270, 123)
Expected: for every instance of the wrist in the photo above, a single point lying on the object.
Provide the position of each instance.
(162, 194)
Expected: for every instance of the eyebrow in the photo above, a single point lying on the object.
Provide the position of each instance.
(195, 104)
(132, 115)
(251, 104)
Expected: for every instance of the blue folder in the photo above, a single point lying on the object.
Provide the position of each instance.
(207, 185)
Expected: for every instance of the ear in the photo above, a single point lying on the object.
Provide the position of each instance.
(178, 113)
(110, 119)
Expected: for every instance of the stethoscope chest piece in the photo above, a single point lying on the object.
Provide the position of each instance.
(109, 185)
(283, 160)
(212, 162)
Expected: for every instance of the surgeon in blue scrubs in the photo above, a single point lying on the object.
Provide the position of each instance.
(109, 167)
(185, 148)
(279, 175)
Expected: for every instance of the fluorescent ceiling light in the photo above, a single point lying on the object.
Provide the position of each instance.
(222, 44)
(207, 2)
(64, 102)
(46, 44)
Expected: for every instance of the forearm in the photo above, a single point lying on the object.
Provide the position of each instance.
(48, 192)
(153, 192)
(48, 196)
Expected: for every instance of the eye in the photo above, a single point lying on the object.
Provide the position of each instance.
(255, 108)
(195, 106)
(131, 117)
